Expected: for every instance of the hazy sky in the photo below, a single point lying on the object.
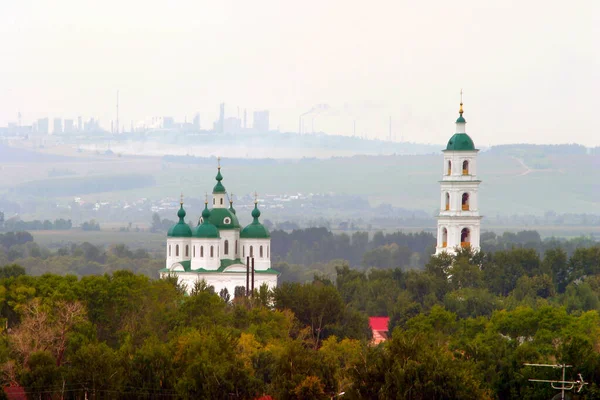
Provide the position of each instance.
(530, 70)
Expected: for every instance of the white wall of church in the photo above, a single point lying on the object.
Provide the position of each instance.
(226, 280)
(176, 250)
(231, 236)
(260, 249)
(203, 258)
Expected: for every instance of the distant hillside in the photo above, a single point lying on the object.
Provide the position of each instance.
(516, 179)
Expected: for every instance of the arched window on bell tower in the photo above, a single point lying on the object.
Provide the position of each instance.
(444, 237)
(226, 247)
(465, 169)
(449, 168)
(465, 202)
(447, 201)
(465, 237)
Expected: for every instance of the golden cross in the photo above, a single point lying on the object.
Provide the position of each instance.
(255, 198)
(231, 199)
(205, 198)
(461, 93)
(181, 199)
(219, 162)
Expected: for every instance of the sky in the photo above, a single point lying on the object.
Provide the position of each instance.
(530, 70)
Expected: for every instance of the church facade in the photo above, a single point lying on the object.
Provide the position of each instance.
(217, 249)
(458, 222)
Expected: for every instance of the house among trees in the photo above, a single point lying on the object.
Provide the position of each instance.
(379, 327)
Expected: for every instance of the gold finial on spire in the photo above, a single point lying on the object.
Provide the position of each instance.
(255, 198)
(205, 198)
(219, 162)
(231, 199)
(181, 199)
(461, 103)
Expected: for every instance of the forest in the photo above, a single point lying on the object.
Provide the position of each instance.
(460, 327)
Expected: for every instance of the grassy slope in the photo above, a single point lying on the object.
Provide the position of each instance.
(565, 184)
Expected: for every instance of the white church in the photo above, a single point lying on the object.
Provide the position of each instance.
(217, 249)
(459, 220)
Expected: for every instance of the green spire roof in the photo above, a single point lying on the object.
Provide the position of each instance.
(180, 229)
(231, 207)
(255, 230)
(460, 142)
(219, 188)
(206, 230)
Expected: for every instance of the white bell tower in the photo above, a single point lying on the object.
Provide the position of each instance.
(459, 220)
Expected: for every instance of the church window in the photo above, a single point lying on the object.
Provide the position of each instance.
(194, 251)
(447, 201)
(201, 251)
(465, 201)
(187, 250)
(267, 251)
(176, 250)
(213, 201)
(261, 252)
(226, 247)
(212, 251)
(243, 251)
(227, 220)
(169, 250)
(444, 237)
(221, 201)
(236, 248)
(449, 167)
(465, 237)
(465, 167)
(251, 252)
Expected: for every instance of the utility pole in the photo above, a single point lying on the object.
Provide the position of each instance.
(563, 384)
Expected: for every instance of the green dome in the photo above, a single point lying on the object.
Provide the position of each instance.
(180, 229)
(219, 188)
(461, 120)
(223, 218)
(206, 230)
(460, 142)
(255, 230)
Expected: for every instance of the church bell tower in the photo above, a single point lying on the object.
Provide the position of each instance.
(459, 220)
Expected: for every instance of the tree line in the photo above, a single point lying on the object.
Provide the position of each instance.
(462, 327)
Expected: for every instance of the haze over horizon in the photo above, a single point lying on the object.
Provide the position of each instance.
(529, 70)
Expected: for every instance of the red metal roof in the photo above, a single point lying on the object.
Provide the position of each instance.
(379, 323)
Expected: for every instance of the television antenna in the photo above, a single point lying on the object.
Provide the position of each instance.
(563, 384)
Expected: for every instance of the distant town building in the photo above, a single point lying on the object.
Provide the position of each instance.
(196, 121)
(42, 126)
(261, 121)
(168, 123)
(459, 220)
(69, 126)
(217, 249)
(57, 126)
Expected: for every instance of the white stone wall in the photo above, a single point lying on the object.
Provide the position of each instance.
(206, 261)
(231, 235)
(227, 280)
(219, 200)
(172, 257)
(260, 263)
(457, 158)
